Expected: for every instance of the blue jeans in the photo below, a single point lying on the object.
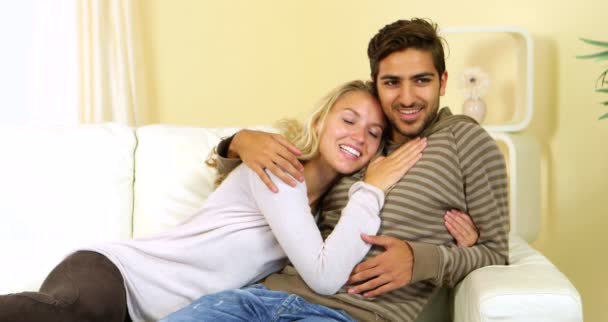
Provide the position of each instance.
(255, 303)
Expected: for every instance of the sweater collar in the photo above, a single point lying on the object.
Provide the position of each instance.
(443, 119)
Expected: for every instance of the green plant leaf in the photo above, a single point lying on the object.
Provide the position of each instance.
(604, 103)
(599, 56)
(602, 90)
(605, 116)
(595, 42)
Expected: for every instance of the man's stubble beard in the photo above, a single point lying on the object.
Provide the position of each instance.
(425, 123)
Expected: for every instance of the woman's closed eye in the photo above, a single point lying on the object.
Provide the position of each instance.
(374, 134)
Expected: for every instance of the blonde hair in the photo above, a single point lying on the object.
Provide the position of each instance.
(304, 135)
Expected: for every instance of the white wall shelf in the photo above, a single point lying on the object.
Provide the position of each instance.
(523, 152)
(523, 114)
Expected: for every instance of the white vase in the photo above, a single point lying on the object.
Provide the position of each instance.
(475, 108)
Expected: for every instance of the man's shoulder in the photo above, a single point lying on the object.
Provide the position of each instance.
(462, 128)
(459, 131)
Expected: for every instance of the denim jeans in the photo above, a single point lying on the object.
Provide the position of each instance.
(255, 304)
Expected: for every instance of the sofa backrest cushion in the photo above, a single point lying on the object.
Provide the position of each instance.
(172, 179)
(61, 188)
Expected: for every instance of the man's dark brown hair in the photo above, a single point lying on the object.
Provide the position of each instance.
(416, 33)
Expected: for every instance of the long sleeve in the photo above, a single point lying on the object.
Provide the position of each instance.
(461, 168)
(485, 192)
(325, 265)
(224, 164)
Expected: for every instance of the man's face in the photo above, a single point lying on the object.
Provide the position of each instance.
(409, 89)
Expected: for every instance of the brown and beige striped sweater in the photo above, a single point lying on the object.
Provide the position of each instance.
(461, 168)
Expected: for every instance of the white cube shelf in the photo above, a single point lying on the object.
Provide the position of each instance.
(506, 54)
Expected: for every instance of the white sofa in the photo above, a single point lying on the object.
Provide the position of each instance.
(66, 187)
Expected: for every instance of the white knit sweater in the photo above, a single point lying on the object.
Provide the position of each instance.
(241, 234)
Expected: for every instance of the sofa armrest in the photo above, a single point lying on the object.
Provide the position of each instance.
(531, 288)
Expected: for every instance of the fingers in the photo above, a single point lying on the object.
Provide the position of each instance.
(288, 160)
(277, 156)
(388, 287)
(455, 224)
(449, 225)
(461, 227)
(407, 155)
(377, 282)
(292, 148)
(277, 171)
(289, 164)
(367, 264)
(364, 275)
(263, 161)
(414, 146)
(261, 150)
(384, 241)
(265, 178)
(385, 272)
(463, 222)
(384, 173)
(372, 284)
(376, 160)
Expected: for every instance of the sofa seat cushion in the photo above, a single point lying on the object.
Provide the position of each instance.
(530, 288)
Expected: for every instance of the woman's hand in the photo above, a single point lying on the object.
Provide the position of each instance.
(461, 227)
(262, 150)
(384, 172)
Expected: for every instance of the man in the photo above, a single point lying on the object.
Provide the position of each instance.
(413, 254)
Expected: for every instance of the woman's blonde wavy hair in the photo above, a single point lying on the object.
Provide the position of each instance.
(304, 136)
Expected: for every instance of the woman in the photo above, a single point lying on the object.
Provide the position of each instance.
(241, 234)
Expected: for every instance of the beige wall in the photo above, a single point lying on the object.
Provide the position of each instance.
(242, 62)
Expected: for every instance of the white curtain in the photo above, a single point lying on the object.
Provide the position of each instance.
(51, 62)
(107, 62)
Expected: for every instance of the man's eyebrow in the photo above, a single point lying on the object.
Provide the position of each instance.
(415, 76)
(390, 77)
(423, 74)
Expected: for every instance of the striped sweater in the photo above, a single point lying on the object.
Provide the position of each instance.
(461, 168)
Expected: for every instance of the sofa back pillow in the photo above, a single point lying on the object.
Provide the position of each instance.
(172, 179)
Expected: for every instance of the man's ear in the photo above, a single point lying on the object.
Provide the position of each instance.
(444, 82)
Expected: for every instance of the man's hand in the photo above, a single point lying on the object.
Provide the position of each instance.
(261, 150)
(385, 272)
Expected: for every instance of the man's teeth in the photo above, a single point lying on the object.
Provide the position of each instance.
(409, 111)
(350, 150)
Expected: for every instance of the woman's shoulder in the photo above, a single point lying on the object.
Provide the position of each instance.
(256, 182)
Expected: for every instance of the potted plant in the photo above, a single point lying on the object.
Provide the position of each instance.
(601, 85)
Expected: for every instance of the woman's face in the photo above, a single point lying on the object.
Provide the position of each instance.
(352, 132)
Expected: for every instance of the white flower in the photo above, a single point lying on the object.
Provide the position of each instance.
(474, 83)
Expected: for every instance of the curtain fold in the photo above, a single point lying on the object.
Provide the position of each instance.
(51, 58)
(107, 59)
